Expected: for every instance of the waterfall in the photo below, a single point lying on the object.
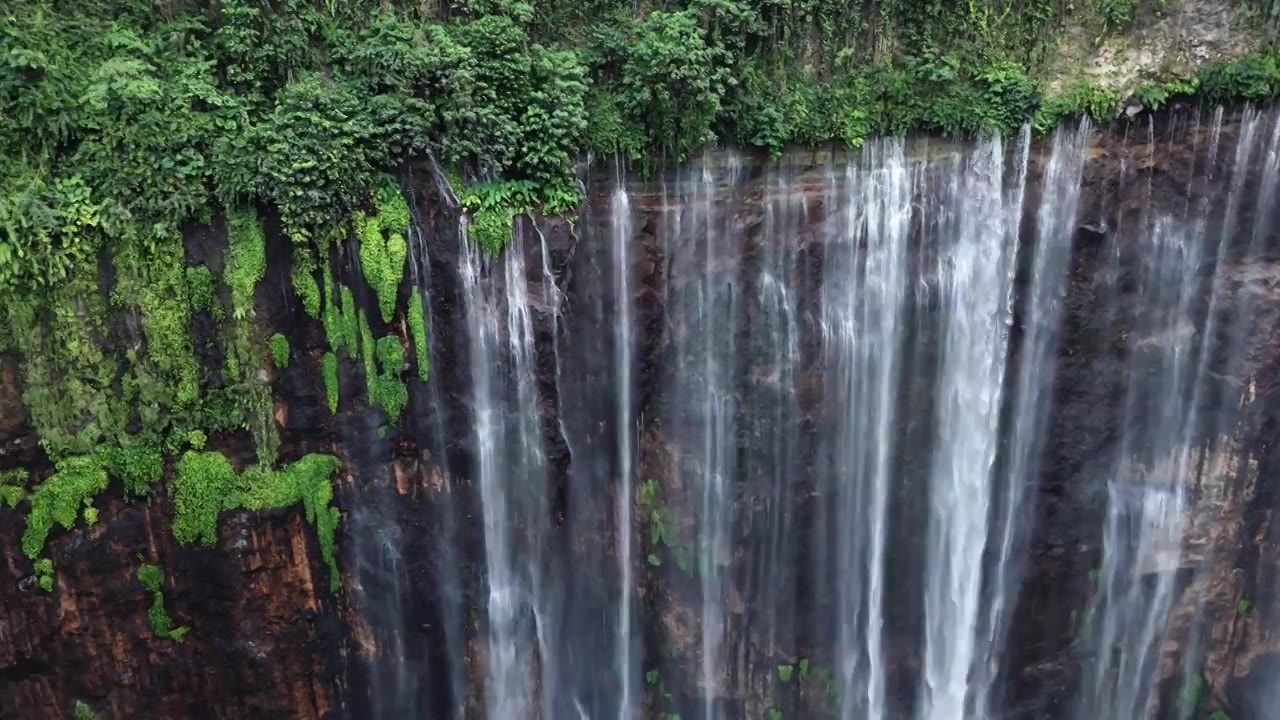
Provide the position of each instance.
(620, 226)
(944, 431)
(864, 294)
(1036, 354)
(1172, 426)
(511, 470)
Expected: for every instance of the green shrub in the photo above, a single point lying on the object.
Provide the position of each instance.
(1253, 77)
(1080, 98)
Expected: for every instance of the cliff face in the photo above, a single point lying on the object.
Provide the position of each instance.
(264, 639)
(407, 635)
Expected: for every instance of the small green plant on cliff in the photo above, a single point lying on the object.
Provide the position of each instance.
(329, 369)
(44, 574)
(664, 696)
(1255, 76)
(13, 487)
(60, 498)
(655, 513)
(279, 351)
(81, 711)
(200, 289)
(152, 578)
(1189, 697)
(1116, 14)
(349, 326)
(1243, 607)
(1154, 96)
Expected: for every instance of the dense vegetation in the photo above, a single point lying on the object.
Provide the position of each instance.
(125, 122)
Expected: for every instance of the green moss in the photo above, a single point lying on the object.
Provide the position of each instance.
(246, 260)
(137, 467)
(367, 352)
(329, 369)
(152, 578)
(304, 282)
(331, 315)
(205, 484)
(393, 211)
(82, 711)
(44, 574)
(163, 385)
(383, 362)
(418, 329)
(59, 499)
(280, 351)
(69, 379)
(200, 289)
(390, 391)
